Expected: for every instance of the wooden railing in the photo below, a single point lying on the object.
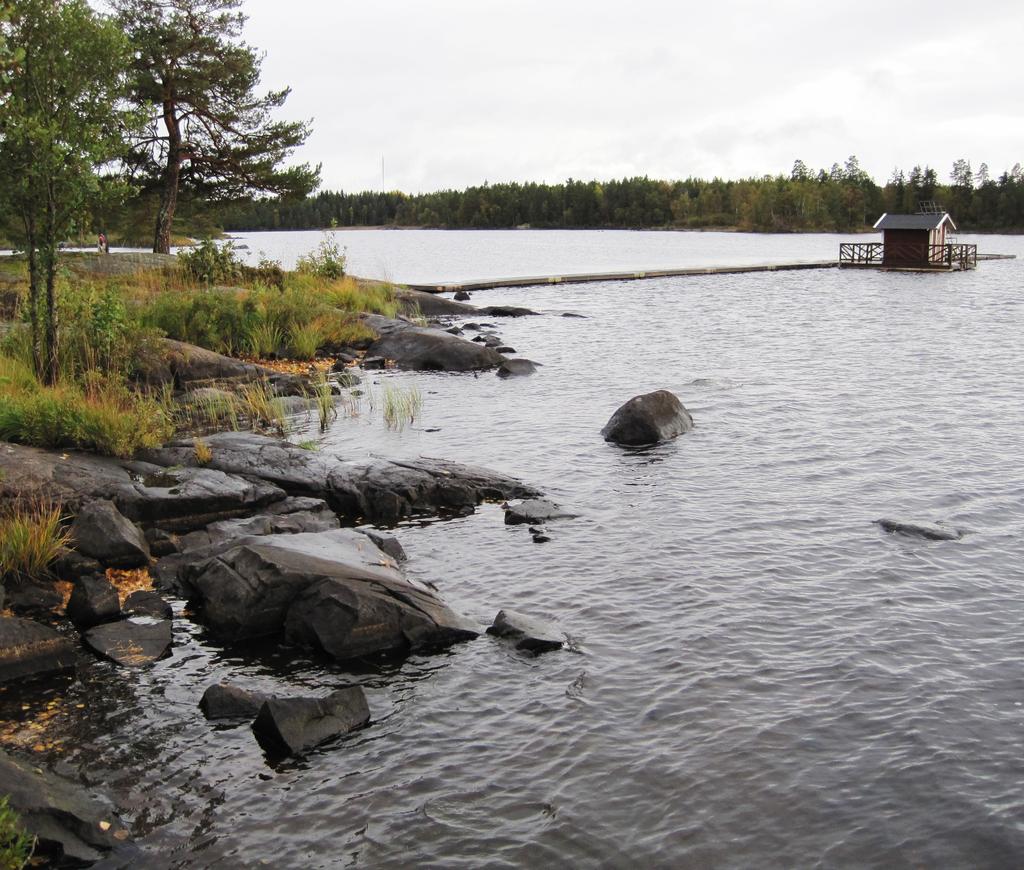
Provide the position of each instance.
(908, 254)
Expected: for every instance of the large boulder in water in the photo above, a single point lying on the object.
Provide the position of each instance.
(648, 419)
(292, 726)
(334, 591)
(423, 349)
(928, 531)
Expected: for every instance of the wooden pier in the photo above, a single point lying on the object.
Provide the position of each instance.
(590, 277)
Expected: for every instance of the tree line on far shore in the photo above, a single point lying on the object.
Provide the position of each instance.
(842, 199)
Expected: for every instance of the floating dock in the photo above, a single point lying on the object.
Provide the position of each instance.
(589, 277)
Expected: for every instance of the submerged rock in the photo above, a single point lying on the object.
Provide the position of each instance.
(131, 643)
(535, 510)
(74, 827)
(333, 591)
(648, 419)
(225, 701)
(292, 726)
(928, 531)
(28, 649)
(529, 633)
(103, 533)
(507, 311)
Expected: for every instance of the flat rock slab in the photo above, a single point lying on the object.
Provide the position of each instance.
(928, 531)
(648, 419)
(379, 490)
(225, 701)
(28, 649)
(333, 591)
(535, 510)
(74, 827)
(177, 499)
(132, 643)
(293, 726)
(527, 632)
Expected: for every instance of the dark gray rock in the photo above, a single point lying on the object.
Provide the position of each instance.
(74, 827)
(379, 491)
(175, 499)
(504, 348)
(423, 349)
(333, 591)
(189, 367)
(928, 531)
(32, 597)
(28, 649)
(432, 304)
(132, 643)
(535, 510)
(528, 633)
(293, 726)
(516, 368)
(507, 311)
(540, 538)
(342, 361)
(225, 701)
(648, 419)
(161, 543)
(454, 330)
(143, 602)
(388, 544)
(103, 533)
(373, 363)
(93, 601)
(70, 565)
(461, 296)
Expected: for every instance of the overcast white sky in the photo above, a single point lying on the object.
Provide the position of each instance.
(457, 92)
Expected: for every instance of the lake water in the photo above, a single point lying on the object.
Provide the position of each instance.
(760, 676)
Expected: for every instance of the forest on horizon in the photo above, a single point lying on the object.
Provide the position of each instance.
(842, 199)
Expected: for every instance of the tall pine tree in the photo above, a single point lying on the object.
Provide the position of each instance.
(210, 132)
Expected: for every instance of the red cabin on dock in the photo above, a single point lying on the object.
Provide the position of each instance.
(917, 242)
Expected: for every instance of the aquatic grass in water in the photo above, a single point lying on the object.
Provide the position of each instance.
(323, 396)
(259, 404)
(401, 405)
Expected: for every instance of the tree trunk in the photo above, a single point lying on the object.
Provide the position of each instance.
(33, 297)
(169, 182)
(49, 258)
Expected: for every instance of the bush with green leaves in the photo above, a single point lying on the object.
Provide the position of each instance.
(212, 263)
(327, 261)
(16, 844)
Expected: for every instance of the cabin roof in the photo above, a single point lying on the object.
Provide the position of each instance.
(913, 221)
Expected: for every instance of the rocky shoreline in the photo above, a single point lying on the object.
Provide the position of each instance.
(262, 538)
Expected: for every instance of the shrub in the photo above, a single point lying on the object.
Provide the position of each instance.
(327, 261)
(265, 339)
(210, 263)
(202, 452)
(16, 844)
(31, 537)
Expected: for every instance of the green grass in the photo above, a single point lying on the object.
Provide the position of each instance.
(323, 397)
(31, 537)
(259, 405)
(16, 844)
(101, 414)
(401, 405)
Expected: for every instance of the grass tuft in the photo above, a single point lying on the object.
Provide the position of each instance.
(31, 537)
